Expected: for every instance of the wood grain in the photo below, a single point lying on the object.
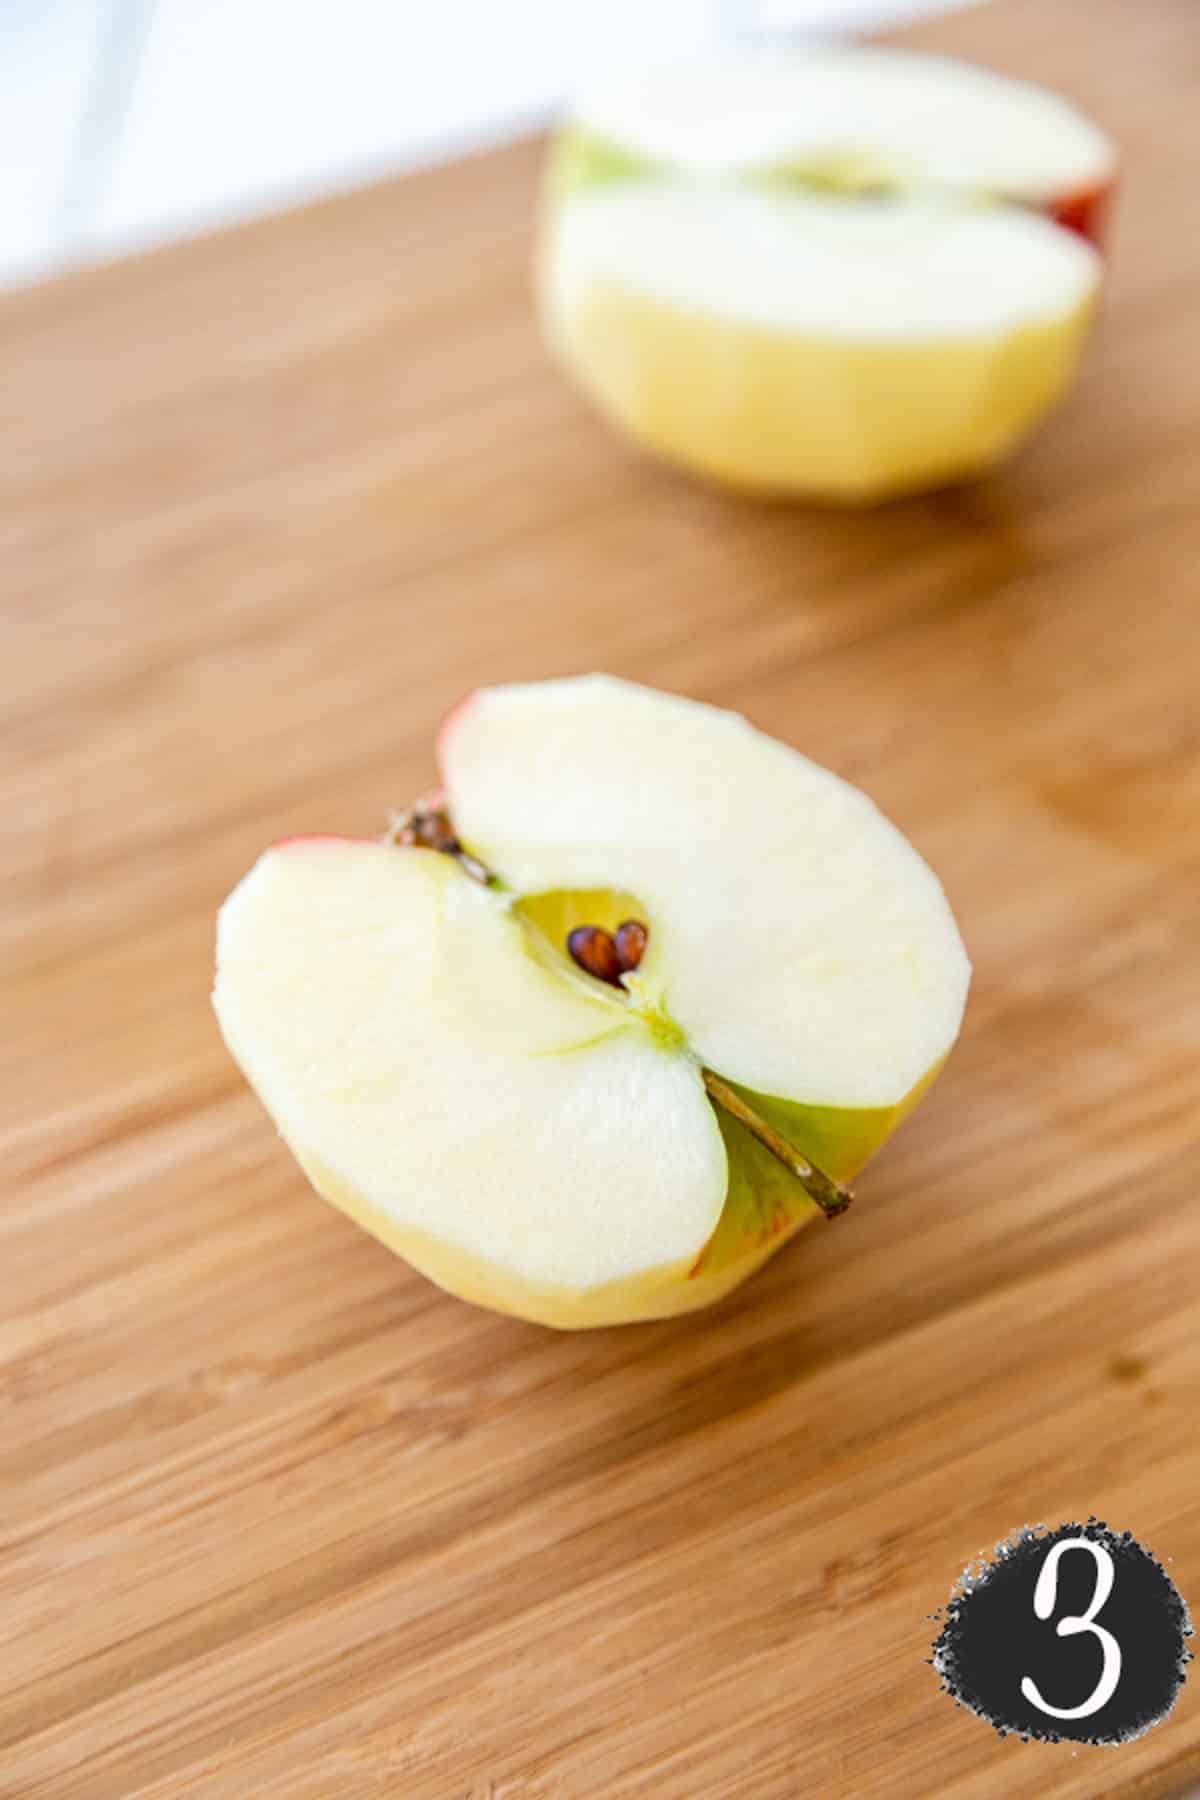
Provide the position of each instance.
(281, 1521)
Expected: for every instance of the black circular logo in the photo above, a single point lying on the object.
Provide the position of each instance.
(1072, 1633)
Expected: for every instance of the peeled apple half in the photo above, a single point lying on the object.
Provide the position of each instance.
(844, 273)
(544, 1134)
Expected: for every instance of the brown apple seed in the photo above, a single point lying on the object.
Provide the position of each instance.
(630, 941)
(593, 949)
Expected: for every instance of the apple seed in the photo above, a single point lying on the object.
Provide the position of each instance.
(630, 940)
(595, 952)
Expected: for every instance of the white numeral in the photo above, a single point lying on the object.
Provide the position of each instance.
(1045, 1595)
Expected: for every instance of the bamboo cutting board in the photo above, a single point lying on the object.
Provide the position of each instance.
(280, 1520)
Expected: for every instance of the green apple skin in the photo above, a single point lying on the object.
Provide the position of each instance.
(581, 159)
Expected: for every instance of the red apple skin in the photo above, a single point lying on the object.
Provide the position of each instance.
(318, 837)
(1087, 212)
(447, 726)
(329, 837)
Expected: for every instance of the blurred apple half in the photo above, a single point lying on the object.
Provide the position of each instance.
(845, 273)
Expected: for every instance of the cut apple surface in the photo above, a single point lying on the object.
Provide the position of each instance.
(838, 273)
(847, 119)
(580, 1150)
(335, 964)
(796, 938)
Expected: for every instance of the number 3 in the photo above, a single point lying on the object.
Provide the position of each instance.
(1045, 1595)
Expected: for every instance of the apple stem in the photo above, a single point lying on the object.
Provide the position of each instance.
(428, 827)
(823, 1191)
(471, 865)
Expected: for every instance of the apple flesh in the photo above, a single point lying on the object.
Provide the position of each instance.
(546, 1143)
(844, 120)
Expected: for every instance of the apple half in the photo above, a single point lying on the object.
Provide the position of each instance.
(554, 1146)
(842, 273)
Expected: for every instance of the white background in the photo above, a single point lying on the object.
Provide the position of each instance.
(123, 122)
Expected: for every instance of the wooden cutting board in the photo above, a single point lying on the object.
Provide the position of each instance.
(281, 1521)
